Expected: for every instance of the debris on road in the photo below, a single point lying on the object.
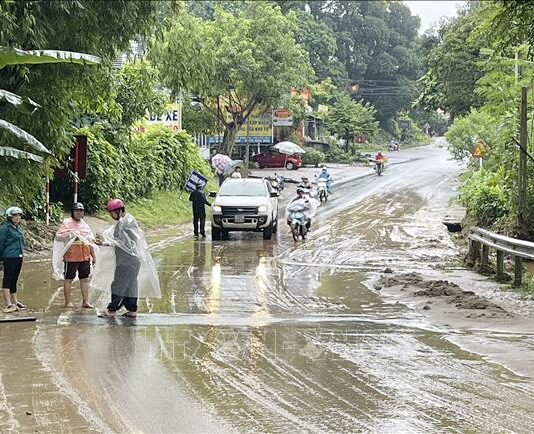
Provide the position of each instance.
(439, 288)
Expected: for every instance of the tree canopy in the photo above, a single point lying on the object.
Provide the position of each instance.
(241, 62)
(376, 47)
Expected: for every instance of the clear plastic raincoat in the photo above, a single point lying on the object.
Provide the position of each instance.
(71, 231)
(305, 206)
(124, 265)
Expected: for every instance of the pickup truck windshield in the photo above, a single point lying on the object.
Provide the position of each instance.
(243, 189)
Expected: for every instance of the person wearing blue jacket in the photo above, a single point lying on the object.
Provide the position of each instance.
(329, 179)
(11, 254)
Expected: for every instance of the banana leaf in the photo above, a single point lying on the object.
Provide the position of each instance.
(21, 102)
(17, 153)
(14, 56)
(24, 136)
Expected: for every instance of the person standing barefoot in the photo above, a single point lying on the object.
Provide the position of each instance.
(76, 239)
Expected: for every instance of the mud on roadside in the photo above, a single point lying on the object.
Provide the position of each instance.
(416, 286)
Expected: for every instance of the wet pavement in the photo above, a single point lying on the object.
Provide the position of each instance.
(276, 336)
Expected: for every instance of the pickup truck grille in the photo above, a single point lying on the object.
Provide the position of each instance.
(239, 210)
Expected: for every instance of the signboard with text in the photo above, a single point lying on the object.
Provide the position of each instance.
(256, 130)
(171, 118)
(282, 118)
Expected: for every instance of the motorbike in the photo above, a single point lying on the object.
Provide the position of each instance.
(297, 219)
(322, 191)
(379, 167)
(393, 145)
(309, 191)
(277, 182)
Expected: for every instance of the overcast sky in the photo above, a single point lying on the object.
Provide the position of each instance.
(431, 11)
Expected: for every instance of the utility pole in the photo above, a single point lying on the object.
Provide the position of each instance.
(247, 149)
(522, 180)
(522, 184)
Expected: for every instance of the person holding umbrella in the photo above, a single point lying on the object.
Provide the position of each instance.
(220, 163)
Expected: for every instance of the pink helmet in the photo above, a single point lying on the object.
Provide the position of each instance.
(114, 205)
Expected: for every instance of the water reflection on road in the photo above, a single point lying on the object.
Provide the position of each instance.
(273, 336)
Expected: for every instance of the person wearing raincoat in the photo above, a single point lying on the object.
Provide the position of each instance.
(329, 179)
(74, 253)
(125, 267)
(11, 254)
(309, 204)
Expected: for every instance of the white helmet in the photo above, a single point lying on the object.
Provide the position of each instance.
(10, 212)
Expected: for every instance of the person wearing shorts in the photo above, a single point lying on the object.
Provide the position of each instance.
(11, 254)
(80, 254)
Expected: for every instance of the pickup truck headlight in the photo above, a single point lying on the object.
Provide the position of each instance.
(216, 208)
(262, 209)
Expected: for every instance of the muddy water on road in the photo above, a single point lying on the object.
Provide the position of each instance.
(274, 336)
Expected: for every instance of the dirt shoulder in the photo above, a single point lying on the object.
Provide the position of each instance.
(477, 314)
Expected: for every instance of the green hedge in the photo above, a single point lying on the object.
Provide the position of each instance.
(137, 167)
(313, 157)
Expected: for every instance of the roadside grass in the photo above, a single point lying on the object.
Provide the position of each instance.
(526, 290)
(164, 208)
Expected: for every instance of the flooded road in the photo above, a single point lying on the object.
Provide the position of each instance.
(275, 336)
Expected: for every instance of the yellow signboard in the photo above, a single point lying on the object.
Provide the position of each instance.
(171, 117)
(480, 149)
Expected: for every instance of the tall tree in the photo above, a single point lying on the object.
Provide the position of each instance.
(63, 91)
(454, 67)
(376, 47)
(349, 118)
(238, 62)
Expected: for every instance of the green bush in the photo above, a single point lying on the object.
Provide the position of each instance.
(466, 131)
(484, 197)
(313, 157)
(137, 168)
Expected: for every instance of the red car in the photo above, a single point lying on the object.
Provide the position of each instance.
(273, 158)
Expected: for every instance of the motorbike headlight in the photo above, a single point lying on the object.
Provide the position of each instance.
(216, 208)
(262, 209)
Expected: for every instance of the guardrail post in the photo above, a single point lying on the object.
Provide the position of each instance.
(473, 254)
(485, 257)
(518, 271)
(500, 265)
(476, 252)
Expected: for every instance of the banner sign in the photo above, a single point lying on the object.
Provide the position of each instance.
(282, 118)
(194, 179)
(171, 118)
(256, 130)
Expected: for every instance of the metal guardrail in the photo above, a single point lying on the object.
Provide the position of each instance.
(519, 249)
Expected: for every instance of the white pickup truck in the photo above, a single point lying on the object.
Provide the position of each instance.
(244, 204)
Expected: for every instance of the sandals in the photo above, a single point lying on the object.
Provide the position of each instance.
(129, 315)
(10, 308)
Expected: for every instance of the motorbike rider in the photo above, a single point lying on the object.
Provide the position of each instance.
(301, 195)
(379, 158)
(280, 180)
(305, 185)
(329, 179)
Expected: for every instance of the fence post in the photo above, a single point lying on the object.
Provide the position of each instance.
(476, 252)
(518, 271)
(485, 256)
(470, 262)
(500, 265)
